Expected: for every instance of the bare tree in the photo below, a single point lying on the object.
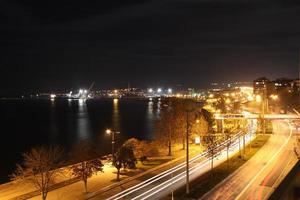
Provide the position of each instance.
(228, 137)
(87, 169)
(84, 153)
(211, 143)
(166, 123)
(40, 167)
(210, 140)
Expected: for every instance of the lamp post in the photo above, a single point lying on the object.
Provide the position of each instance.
(187, 150)
(187, 154)
(112, 133)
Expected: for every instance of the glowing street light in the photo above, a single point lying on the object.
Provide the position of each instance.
(258, 98)
(150, 90)
(227, 101)
(274, 97)
(159, 90)
(113, 135)
(169, 90)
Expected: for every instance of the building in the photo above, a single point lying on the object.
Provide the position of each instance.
(283, 85)
(296, 85)
(262, 85)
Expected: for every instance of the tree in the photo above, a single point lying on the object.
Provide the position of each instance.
(40, 167)
(136, 145)
(87, 169)
(166, 123)
(220, 105)
(211, 144)
(210, 140)
(200, 128)
(124, 159)
(228, 137)
(141, 149)
(88, 166)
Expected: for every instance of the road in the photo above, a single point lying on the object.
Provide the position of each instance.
(162, 184)
(260, 176)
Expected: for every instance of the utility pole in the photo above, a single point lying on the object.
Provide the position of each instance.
(299, 76)
(187, 154)
(222, 126)
(263, 109)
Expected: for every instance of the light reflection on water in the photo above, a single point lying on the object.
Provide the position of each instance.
(66, 122)
(116, 119)
(150, 117)
(83, 122)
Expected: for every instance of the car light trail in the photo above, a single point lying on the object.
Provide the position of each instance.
(176, 169)
(178, 177)
(267, 164)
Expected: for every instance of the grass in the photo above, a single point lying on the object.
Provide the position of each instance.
(206, 182)
(150, 164)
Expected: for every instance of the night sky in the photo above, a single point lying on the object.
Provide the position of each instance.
(62, 45)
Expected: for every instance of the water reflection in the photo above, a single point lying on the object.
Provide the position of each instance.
(83, 120)
(116, 115)
(53, 123)
(158, 107)
(69, 102)
(150, 118)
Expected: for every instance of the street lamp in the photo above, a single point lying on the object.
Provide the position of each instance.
(112, 133)
(274, 97)
(188, 111)
(258, 98)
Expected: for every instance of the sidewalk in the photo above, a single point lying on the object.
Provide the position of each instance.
(66, 188)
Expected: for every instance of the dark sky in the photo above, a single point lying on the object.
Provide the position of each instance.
(61, 45)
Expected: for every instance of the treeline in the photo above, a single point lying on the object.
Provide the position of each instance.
(179, 117)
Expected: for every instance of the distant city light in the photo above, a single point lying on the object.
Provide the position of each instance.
(159, 90)
(80, 91)
(169, 90)
(85, 91)
(150, 90)
(52, 96)
(80, 102)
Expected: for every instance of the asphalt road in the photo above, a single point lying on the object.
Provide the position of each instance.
(161, 183)
(260, 176)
